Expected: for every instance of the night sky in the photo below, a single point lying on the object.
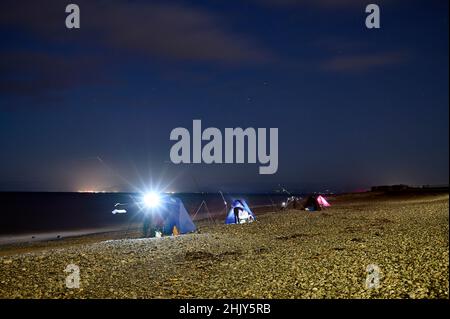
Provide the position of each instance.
(92, 109)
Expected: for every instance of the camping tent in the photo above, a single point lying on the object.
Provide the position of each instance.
(322, 201)
(292, 202)
(172, 217)
(314, 203)
(175, 215)
(245, 213)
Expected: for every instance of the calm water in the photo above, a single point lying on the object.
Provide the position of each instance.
(28, 213)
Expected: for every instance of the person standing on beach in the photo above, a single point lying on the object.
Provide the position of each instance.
(147, 226)
(237, 208)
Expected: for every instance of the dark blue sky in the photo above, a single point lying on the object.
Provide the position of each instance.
(93, 108)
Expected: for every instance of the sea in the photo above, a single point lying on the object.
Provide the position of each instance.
(30, 216)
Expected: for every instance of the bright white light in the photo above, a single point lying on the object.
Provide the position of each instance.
(151, 200)
(119, 211)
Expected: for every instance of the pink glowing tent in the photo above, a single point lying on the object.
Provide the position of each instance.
(322, 201)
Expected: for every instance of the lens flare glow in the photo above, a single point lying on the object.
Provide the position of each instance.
(152, 200)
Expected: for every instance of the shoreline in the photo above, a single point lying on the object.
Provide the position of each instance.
(54, 235)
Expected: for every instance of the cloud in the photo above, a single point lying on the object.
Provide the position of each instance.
(176, 32)
(112, 32)
(147, 28)
(321, 4)
(39, 75)
(363, 62)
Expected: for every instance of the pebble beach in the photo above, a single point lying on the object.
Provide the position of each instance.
(285, 254)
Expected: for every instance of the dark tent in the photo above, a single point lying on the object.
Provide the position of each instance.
(170, 217)
(313, 203)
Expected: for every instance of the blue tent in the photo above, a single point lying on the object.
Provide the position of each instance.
(173, 213)
(238, 203)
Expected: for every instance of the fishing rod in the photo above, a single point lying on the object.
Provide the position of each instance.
(284, 190)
